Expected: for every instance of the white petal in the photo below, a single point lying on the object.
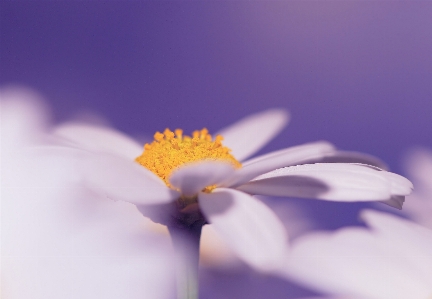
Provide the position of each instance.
(419, 208)
(332, 181)
(126, 180)
(399, 185)
(300, 154)
(100, 139)
(356, 263)
(250, 134)
(64, 242)
(64, 160)
(247, 225)
(412, 237)
(23, 117)
(353, 157)
(194, 177)
(419, 166)
(419, 205)
(61, 241)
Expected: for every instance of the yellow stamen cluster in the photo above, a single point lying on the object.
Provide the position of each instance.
(169, 150)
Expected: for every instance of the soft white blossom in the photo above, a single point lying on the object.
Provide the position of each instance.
(252, 230)
(58, 240)
(392, 259)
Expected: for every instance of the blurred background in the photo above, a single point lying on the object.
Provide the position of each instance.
(355, 73)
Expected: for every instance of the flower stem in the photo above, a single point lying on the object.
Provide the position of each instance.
(186, 241)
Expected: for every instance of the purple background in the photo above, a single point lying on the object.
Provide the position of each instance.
(358, 74)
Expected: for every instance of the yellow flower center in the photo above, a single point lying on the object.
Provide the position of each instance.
(170, 150)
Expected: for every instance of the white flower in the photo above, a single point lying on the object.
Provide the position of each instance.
(57, 239)
(419, 205)
(222, 190)
(394, 260)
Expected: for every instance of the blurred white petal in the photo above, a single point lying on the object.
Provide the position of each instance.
(352, 263)
(87, 277)
(393, 261)
(122, 179)
(100, 139)
(251, 229)
(23, 115)
(333, 181)
(290, 156)
(251, 133)
(419, 165)
(192, 178)
(419, 205)
(61, 241)
(409, 236)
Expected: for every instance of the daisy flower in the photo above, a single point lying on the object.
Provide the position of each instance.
(212, 176)
(185, 182)
(392, 260)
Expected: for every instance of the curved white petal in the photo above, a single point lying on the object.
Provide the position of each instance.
(419, 165)
(23, 117)
(61, 160)
(300, 154)
(355, 263)
(352, 157)
(126, 180)
(192, 178)
(250, 134)
(247, 225)
(332, 181)
(360, 263)
(62, 241)
(399, 184)
(414, 238)
(100, 139)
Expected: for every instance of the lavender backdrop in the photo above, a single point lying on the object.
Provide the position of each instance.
(358, 74)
